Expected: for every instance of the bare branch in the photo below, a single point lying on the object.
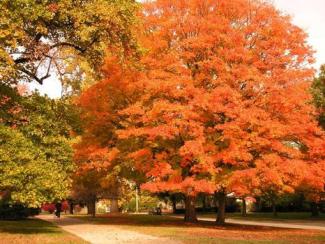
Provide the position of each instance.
(34, 76)
(82, 50)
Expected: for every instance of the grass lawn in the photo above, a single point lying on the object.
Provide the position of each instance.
(33, 231)
(269, 216)
(206, 232)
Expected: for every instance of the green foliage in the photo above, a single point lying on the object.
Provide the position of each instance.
(318, 90)
(16, 212)
(27, 173)
(70, 37)
(35, 151)
(146, 201)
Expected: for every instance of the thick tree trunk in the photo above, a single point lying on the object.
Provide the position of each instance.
(114, 205)
(174, 205)
(275, 213)
(244, 211)
(314, 209)
(258, 204)
(221, 214)
(91, 207)
(190, 213)
(204, 203)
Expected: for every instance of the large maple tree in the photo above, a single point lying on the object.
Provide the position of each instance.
(220, 93)
(225, 89)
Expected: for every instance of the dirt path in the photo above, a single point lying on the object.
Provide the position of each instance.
(102, 234)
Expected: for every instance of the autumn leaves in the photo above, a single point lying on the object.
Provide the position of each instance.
(217, 103)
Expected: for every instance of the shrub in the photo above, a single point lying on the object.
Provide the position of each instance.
(16, 212)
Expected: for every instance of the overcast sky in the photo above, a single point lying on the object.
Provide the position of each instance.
(309, 15)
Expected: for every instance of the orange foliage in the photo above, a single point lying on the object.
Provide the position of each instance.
(221, 101)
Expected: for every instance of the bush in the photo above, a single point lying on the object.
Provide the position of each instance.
(16, 212)
(146, 202)
(50, 207)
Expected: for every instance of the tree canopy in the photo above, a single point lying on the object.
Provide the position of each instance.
(66, 37)
(191, 97)
(36, 154)
(221, 91)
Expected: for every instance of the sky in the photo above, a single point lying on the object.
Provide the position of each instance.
(309, 15)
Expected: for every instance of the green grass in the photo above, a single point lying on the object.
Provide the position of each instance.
(269, 216)
(34, 231)
(205, 231)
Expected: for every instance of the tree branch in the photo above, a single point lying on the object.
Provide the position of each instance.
(82, 50)
(34, 76)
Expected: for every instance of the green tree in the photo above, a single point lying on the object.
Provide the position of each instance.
(318, 90)
(35, 149)
(38, 37)
(27, 176)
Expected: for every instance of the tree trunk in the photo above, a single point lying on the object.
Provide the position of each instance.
(275, 213)
(71, 207)
(174, 205)
(244, 211)
(221, 214)
(91, 207)
(314, 209)
(204, 203)
(137, 199)
(114, 206)
(190, 213)
(259, 204)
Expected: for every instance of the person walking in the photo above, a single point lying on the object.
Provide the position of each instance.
(58, 209)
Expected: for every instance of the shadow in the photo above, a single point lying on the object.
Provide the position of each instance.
(141, 220)
(172, 227)
(28, 226)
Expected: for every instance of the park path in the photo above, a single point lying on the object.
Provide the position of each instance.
(294, 224)
(102, 234)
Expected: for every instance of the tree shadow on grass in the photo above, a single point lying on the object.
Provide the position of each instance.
(176, 228)
(165, 221)
(28, 226)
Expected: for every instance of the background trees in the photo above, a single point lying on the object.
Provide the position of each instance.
(100, 154)
(318, 90)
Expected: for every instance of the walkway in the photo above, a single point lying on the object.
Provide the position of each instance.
(102, 234)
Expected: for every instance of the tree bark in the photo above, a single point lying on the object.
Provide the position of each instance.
(204, 203)
(174, 205)
(275, 213)
(91, 207)
(314, 209)
(190, 213)
(71, 207)
(258, 205)
(114, 206)
(137, 199)
(244, 211)
(221, 214)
